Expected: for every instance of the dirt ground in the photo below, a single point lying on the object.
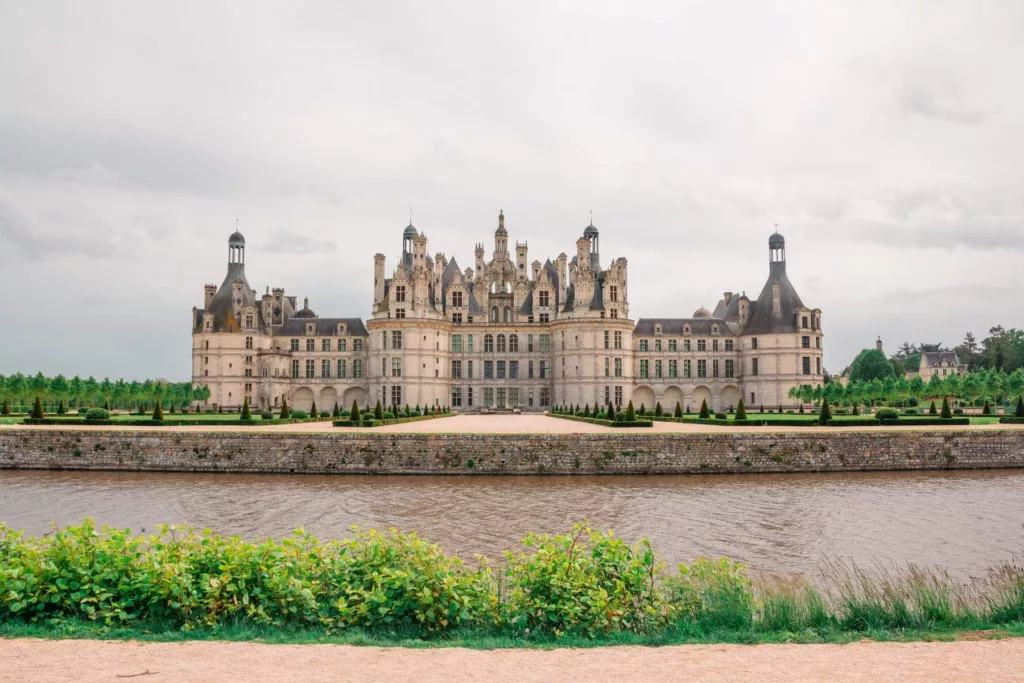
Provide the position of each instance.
(528, 423)
(27, 660)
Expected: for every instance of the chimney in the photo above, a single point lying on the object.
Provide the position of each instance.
(208, 292)
(479, 259)
(878, 344)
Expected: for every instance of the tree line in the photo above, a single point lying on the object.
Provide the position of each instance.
(973, 388)
(1002, 350)
(76, 392)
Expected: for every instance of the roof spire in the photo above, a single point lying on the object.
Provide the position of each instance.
(591, 216)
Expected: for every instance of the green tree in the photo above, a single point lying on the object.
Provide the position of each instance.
(312, 410)
(630, 413)
(354, 415)
(158, 411)
(704, 412)
(37, 410)
(378, 411)
(825, 414)
(658, 412)
(5, 409)
(932, 410)
(870, 364)
(678, 411)
(246, 412)
(741, 411)
(336, 413)
(285, 412)
(946, 412)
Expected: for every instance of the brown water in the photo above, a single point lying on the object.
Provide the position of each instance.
(964, 521)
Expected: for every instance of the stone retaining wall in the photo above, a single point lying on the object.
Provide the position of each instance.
(508, 453)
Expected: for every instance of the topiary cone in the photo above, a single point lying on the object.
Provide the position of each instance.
(37, 410)
(946, 412)
(354, 415)
(630, 413)
(826, 413)
(1019, 412)
(246, 413)
(741, 411)
(704, 412)
(285, 413)
(158, 411)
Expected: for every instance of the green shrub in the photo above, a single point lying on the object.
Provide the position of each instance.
(986, 409)
(210, 411)
(387, 415)
(266, 415)
(1019, 412)
(956, 411)
(679, 410)
(336, 413)
(586, 583)
(910, 411)
(721, 416)
(97, 414)
(37, 410)
(741, 411)
(158, 411)
(285, 412)
(378, 411)
(704, 412)
(712, 593)
(946, 412)
(887, 414)
(932, 410)
(60, 408)
(246, 412)
(658, 412)
(354, 413)
(5, 409)
(324, 413)
(299, 414)
(630, 415)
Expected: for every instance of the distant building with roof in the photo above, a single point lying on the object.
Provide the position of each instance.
(941, 363)
(505, 333)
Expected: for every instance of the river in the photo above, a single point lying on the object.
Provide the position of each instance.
(964, 521)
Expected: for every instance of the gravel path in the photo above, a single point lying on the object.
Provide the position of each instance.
(87, 661)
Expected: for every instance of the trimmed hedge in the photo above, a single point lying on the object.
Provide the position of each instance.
(160, 423)
(1011, 420)
(927, 421)
(855, 422)
(370, 422)
(606, 423)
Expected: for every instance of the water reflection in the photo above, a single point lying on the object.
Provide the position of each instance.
(776, 523)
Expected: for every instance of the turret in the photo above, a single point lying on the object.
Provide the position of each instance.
(237, 286)
(208, 292)
(560, 271)
(479, 253)
(378, 278)
(267, 303)
(583, 254)
(501, 236)
(536, 266)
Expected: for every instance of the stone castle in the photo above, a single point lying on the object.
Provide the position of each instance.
(505, 334)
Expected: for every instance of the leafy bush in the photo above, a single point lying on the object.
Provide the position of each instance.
(957, 411)
(97, 414)
(285, 411)
(266, 415)
(387, 416)
(324, 413)
(741, 411)
(299, 414)
(721, 416)
(246, 411)
(679, 410)
(946, 413)
(1019, 412)
(910, 411)
(932, 409)
(887, 414)
(825, 414)
(630, 415)
(715, 593)
(37, 410)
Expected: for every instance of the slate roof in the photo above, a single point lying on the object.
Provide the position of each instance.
(221, 305)
(325, 327)
(673, 327)
(937, 358)
(763, 320)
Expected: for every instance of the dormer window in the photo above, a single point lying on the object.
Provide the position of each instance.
(714, 329)
(543, 298)
(341, 331)
(613, 294)
(686, 329)
(457, 299)
(400, 293)
(310, 328)
(657, 328)
(248, 321)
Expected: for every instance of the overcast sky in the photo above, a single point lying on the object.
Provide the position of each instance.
(885, 139)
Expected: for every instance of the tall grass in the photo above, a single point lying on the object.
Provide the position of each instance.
(583, 585)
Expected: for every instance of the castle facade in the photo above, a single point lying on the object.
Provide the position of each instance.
(505, 333)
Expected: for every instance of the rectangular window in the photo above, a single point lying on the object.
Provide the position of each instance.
(325, 345)
(545, 318)
(489, 396)
(311, 344)
(384, 339)
(295, 368)
(513, 397)
(807, 365)
(488, 369)
(613, 293)
(357, 368)
(673, 369)
(545, 397)
(469, 396)
(310, 368)
(488, 343)
(513, 369)
(357, 344)
(545, 370)
(529, 370)
(456, 317)
(501, 397)
(399, 313)
(818, 366)
(396, 339)
(672, 345)
(400, 293)
(529, 343)
(384, 368)
(753, 343)
(714, 344)
(456, 369)
(643, 368)
(686, 345)
(456, 343)
(248, 342)
(702, 344)
(803, 320)
(687, 368)
(618, 340)
(657, 368)
(714, 368)
(457, 299)
(325, 368)
(618, 367)
(817, 342)
(396, 367)
(753, 366)
(805, 342)
(469, 369)
(545, 343)
(728, 344)
(643, 344)
(657, 345)
(607, 339)
(469, 343)
(396, 395)
(730, 368)
(702, 368)
(295, 345)
(542, 299)
(607, 365)
(342, 345)
(501, 369)
(618, 397)
(341, 368)
(456, 397)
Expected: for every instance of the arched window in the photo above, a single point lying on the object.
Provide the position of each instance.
(513, 343)
(508, 314)
(501, 343)
(489, 343)
(494, 314)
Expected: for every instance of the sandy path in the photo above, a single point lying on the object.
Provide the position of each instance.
(531, 423)
(76, 660)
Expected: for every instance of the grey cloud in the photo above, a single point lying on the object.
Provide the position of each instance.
(931, 104)
(77, 235)
(297, 243)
